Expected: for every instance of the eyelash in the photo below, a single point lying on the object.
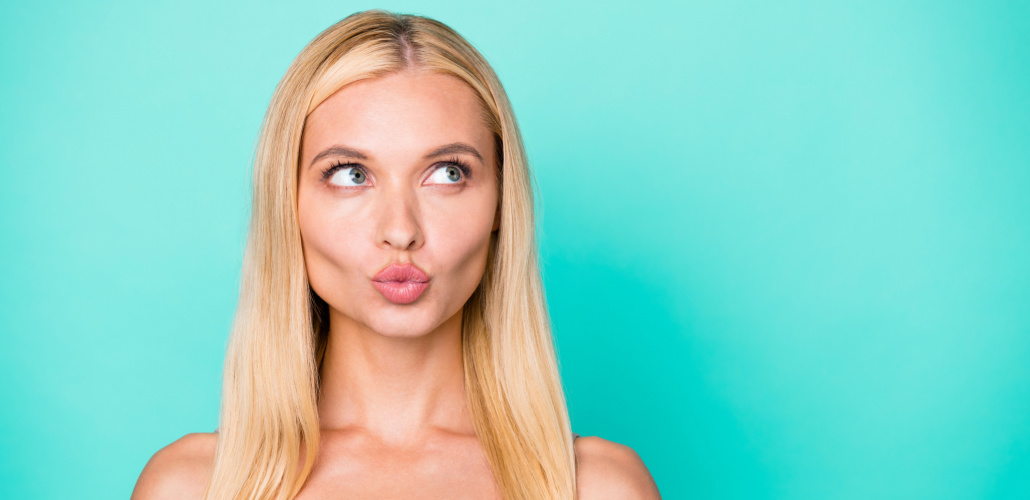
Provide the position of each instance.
(466, 170)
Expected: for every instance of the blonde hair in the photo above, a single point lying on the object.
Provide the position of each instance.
(269, 430)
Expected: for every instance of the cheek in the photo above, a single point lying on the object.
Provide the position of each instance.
(460, 235)
(333, 247)
(341, 252)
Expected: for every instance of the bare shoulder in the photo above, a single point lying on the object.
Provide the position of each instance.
(608, 470)
(179, 470)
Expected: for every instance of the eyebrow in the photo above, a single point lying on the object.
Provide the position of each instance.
(447, 149)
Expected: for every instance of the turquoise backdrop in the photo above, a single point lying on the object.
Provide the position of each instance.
(786, 244)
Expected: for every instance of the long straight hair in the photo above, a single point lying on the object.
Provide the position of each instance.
(269, 430)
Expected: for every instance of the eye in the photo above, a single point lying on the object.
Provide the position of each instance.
(452, 172)
(346, 175)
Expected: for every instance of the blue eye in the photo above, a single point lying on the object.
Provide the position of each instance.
(451, 172)
(450, 175)
(354, 175)
(345, 175)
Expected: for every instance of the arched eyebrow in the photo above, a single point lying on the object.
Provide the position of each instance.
(348, 152)
(338, 150)
(454, 148)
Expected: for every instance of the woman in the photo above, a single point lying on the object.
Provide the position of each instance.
(391, 338)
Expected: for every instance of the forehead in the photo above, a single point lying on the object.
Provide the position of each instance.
(401, 111)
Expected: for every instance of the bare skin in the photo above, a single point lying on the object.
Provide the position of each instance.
(392, 407)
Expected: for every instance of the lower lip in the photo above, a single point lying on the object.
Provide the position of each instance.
(400, 292)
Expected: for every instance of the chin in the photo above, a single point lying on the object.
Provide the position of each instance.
(401, 331)
(388, 322)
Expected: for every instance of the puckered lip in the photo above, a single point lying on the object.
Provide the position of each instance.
(401, 272)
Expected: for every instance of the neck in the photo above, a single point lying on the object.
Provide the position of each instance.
(391, 387)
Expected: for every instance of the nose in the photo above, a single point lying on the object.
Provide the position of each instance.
(399, 227)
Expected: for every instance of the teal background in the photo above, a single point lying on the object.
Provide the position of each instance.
(786, 245)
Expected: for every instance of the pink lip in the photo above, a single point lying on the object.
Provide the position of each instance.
(401, 284)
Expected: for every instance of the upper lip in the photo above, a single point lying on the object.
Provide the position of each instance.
(401, 272)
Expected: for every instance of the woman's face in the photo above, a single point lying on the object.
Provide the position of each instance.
(381, 182)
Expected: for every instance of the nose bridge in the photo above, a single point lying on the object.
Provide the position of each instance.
(399, 224)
